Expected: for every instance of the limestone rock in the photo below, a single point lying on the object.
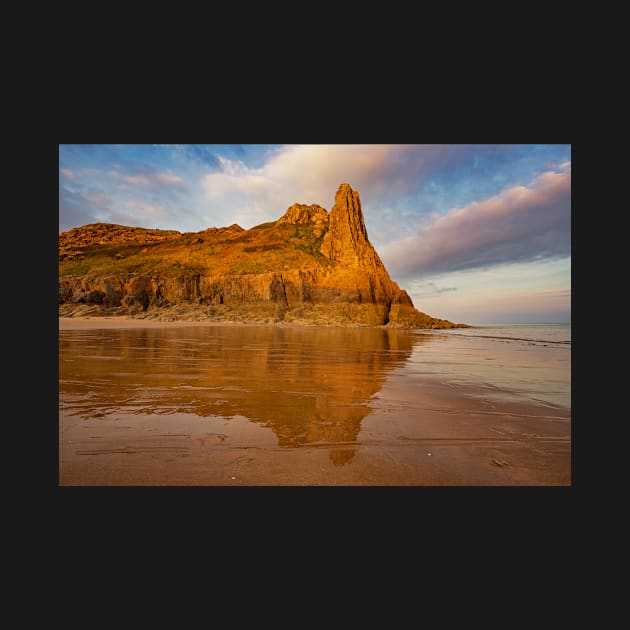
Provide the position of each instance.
(309, 266)
(347, 241)
(300, 214)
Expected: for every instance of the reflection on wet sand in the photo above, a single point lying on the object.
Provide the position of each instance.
(246, 405)
(309, 386)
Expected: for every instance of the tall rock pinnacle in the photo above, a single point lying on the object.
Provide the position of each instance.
(347, 239)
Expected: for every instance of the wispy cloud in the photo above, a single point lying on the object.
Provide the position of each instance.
(141, 180)
(556, 294)
(94, 206)
(67, 173)
(170, 179)
(430, 289)
(89, 205)
(516, 291)
(199, 152)
(520, 223)
(150, 179)
(148, 209)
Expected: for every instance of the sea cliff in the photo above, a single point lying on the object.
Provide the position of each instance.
(310, 266)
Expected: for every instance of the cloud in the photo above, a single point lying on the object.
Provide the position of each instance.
(81, 207)
(312, 174)
(515, 291)
(427, 289)
(565, 166)
(169, 179)
(67, 173)
(148, 209)
(85, 206)
(150, 179)
(141, 180)
(199, 152)
(73, 210)
(520, 223)
(557, 294)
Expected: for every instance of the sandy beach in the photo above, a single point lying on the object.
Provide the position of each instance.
(146, 402)
(94, 323)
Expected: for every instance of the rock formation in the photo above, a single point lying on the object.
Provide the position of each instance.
(309, 266)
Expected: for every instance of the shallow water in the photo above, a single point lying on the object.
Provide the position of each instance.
(309, 406)
(509, 362)
(545, 334)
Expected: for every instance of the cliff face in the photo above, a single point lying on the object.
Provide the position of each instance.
(310, 266)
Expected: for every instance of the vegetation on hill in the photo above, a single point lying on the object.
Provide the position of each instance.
(103, 248)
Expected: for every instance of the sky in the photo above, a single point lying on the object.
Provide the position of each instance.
(474, 233)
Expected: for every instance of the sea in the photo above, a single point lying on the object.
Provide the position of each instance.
(529, 333)
(281, 405)
(529, 362)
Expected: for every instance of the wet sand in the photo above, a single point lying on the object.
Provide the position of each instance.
(237, 405)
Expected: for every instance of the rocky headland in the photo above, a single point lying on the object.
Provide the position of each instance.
(310, 266)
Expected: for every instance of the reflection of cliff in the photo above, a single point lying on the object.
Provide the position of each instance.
(310, 386)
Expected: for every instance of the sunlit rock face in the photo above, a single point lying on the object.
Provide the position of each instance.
(310, 266)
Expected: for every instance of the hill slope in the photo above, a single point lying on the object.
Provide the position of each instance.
(309, 266)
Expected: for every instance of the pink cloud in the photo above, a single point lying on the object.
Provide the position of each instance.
(169, 179)
(150, 180)
(141, 180)
(520, 223)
